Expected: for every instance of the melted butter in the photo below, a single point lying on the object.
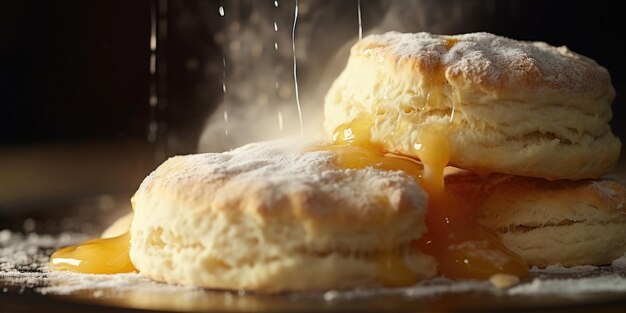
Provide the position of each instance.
(433, 150)
(97, 256)
(353, 150)
(463, 248)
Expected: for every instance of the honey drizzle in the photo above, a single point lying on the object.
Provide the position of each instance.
(96, 256)
(463, 248)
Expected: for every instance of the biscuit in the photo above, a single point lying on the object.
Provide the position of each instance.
(514, 107)
(550, 222)
(269, 218)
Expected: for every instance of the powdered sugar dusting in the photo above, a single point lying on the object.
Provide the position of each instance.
(271, 172)
(29, 253)
(65, 283)
(487, 59)
(572, 286)
(426, 288)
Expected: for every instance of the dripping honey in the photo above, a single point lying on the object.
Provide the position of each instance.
(463, 248)
(97, 256)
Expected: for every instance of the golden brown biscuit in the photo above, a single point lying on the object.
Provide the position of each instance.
(269, 218)
(515, 107)
(550, 222)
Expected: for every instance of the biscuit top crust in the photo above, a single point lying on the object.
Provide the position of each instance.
(280, 180)
(493, 64)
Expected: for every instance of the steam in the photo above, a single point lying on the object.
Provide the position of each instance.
(261, 101)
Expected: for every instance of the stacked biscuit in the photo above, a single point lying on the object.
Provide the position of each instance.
(535, 114)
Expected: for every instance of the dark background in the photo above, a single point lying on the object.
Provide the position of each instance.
(73, 70)
(78, 70)
(74, 73)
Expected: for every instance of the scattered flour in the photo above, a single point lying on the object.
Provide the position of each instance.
(24, 264)
(29, 253)
(426, 288)
(571, 286)
(64, 283)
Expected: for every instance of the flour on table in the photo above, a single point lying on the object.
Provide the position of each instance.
(24, 264)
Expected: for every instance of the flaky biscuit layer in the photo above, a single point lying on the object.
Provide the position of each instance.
(515, 107)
